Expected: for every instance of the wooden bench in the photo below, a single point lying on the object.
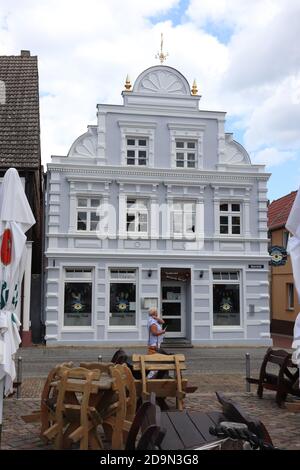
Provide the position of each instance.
(162, 387)
(283, 381)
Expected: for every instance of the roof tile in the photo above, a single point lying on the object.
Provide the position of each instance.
(279, 210)
(19, 115)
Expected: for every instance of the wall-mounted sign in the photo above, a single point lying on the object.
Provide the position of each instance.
(278, 255)
(172, 274)
(150, 302)
(256, 266)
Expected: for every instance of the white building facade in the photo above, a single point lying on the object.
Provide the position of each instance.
(157, 206)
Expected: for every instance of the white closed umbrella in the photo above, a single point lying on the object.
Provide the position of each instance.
(16, 218)
(293, 226)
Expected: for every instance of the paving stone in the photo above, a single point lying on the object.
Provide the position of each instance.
(282, 425)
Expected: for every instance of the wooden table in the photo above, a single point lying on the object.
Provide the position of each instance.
(189, 429)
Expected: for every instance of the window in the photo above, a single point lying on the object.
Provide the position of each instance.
(122, 297)
(226, 298)
(285, 238)
(87, 214)
(230, 218)
(137, 151)
(183, 218)
(78, 291)
(290, 297)
(137, 216)
(186, 151)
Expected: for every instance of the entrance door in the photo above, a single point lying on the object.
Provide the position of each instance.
(173, 308)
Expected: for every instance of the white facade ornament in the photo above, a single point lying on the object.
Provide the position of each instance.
(85, 145)
(234, 153)
(162, 80)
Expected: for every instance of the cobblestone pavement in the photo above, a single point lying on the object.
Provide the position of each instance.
(37, 361)
(282, 425)
(211, 369)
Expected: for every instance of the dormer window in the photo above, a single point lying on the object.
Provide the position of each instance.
(137, 151)
(186, 151)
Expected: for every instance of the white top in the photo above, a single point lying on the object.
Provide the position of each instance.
(154, 340)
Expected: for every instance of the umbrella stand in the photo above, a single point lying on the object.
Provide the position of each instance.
(1, 404)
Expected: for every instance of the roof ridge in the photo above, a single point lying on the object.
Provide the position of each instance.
(282, 197)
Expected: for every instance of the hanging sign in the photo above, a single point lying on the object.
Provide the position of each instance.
(278, 255)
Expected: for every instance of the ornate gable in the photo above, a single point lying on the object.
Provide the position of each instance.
(234, 153)
(162, 80)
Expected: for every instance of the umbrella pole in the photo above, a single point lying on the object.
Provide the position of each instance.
(1, 404)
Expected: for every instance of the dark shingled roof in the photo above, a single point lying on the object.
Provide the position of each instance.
(19, 114)
(279, 210)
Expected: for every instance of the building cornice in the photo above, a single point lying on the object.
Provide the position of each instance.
(139, 124)
(200, 176)
(231, 256)
(160, 111)
(92, 236)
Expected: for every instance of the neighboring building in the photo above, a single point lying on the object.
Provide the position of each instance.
(157, 205)
(20, 148)
(284, 301)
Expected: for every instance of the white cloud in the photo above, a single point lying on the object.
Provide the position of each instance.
(237, 14)
(272, 157)
(276, 121)
(85, 50)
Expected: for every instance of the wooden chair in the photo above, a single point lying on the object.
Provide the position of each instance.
(124, 414)
(46, 414)
(162, 387)
(74, 418)
(284, 381)
(234, 413)
(117, 409)
(147, 423)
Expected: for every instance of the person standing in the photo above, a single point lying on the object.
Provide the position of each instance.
(155, 331)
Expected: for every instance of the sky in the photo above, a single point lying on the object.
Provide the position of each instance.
(245, 57)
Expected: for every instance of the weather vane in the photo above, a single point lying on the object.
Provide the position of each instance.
(160, 55)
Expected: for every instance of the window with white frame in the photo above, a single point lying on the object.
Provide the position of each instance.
(186, 152)
(122, 299)
(230, 218)
(78, 295)
(137, 151)
(137, 214)
(226, 298)
(87, 213)
(183, 218)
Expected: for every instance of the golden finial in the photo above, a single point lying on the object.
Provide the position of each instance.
(194, 89)
(160, 55)
(127, 84)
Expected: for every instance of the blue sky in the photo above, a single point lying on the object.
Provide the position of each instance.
(244, 55)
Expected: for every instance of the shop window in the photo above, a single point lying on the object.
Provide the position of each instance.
(226, 298)
(78, 295)
(122, 297)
